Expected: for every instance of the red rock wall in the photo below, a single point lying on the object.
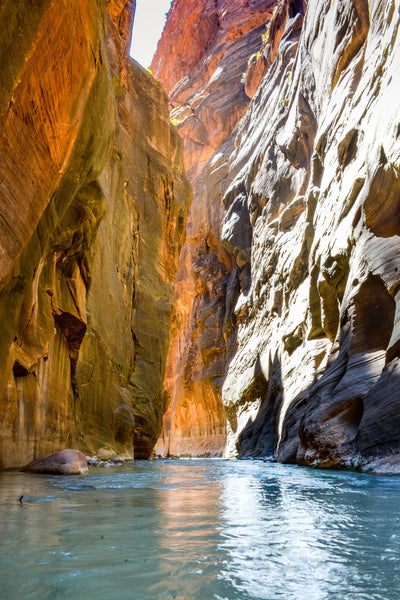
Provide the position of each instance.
(93, 205)
(203, 67)
(42, 121)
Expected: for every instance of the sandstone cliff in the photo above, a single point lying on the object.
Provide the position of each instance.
(288, 291)
(93, 206)
(204, 69)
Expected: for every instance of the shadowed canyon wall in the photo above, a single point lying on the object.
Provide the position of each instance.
(93, 207)
(288, 297)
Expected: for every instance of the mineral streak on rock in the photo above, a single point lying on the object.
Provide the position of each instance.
(202, 59)
(301, 329)
(93, 206)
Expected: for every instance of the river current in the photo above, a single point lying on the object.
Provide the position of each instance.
(200, 530)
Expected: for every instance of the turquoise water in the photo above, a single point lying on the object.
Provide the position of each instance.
(200, 530)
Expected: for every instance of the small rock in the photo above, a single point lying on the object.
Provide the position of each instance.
(106, 454)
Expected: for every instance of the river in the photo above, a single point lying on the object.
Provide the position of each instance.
(200, 530)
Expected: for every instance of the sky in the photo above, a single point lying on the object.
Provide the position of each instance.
(149, 22)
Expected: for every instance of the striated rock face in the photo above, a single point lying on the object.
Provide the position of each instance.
(203, 68)
(93, 206)
(319, 182)
(307, 300)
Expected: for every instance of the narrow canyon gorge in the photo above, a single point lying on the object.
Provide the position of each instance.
(201, 258)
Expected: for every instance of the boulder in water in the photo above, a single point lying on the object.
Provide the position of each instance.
(64, 462)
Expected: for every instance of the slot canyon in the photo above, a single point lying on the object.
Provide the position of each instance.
(201, 259)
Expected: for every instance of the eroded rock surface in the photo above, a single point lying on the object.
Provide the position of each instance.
(303, 325)
(203, 66)
(93, 206)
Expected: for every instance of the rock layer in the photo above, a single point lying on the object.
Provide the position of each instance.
(318, 316)
(301, 330)
(203, 68)
(93, 205)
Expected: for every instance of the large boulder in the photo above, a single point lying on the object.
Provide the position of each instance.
(64, 462)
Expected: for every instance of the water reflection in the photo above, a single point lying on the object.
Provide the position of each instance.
(294, 534)
(200, 530)
(189, 528)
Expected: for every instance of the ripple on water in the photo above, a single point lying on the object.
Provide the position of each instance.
(200, 530)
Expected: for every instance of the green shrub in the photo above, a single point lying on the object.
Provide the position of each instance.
(265, 36)
(118, 87)
(256, 55)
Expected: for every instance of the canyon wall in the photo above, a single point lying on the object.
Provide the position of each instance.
(93, 207)
(203, 69)
(288, 291)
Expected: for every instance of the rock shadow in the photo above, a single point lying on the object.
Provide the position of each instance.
(349, 414)
(259, 436)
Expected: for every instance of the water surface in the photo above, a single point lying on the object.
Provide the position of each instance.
(200, 530)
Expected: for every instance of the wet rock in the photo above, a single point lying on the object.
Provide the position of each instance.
(97, 461)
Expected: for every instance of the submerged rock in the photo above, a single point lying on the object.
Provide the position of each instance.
(64, 462)
(95, 461)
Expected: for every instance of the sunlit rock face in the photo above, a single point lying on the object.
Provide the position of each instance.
(202, 60)
(93, 205)
(309, 193)
(317, 177)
